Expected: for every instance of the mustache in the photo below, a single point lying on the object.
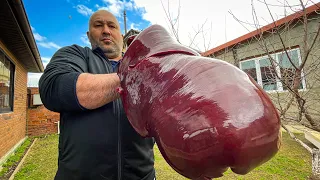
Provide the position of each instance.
(106, 37)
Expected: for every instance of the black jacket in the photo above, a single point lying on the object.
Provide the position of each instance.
(93, 144)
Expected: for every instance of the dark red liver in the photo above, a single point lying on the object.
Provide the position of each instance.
(205, 114)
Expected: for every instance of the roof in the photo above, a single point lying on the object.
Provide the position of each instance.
(309, 10)
(130, 33)
(16, 34)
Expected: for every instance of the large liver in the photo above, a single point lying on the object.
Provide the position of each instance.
(205, 114)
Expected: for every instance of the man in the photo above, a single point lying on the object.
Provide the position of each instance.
(96, 140)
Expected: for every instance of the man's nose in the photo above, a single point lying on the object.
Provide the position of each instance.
(106, 30)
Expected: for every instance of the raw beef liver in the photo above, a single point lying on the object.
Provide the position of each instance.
(205, 114)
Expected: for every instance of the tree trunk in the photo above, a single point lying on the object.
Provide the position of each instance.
(316, 163)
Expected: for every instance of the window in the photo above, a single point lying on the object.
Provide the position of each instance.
(6, 83)
(274, 76)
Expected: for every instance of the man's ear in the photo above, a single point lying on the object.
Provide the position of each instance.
(88, 35)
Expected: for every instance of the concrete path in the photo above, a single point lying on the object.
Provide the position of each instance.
(311, 135)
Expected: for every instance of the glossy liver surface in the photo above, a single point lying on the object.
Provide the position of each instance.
(205, 114)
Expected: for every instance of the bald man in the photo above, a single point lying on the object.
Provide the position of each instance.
(96, 140)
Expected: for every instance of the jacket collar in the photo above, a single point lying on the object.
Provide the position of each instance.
(99, 51)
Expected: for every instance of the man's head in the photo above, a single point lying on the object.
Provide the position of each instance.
(104, 32)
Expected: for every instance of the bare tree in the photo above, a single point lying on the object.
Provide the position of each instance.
(295, 73)
(292, 75)
(201, 31)
(173, 21)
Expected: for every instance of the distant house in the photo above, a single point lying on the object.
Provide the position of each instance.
(18, 56)
(126, 37)
(248, 52)
(264, 56)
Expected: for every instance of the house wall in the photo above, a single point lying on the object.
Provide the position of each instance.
(13, 124)
(292, 37)
(227, 55)
(40, 120)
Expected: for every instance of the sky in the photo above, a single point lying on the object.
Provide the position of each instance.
(200, 24)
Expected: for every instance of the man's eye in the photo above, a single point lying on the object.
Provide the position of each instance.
(98, 25)
(111, 26)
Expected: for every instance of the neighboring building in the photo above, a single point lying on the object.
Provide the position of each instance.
(130, 33)
(40, 120)
(18, 56)
(248, 52)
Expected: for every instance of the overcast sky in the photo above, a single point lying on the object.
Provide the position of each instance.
(66, 24)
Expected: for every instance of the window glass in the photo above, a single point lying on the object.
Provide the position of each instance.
(6, 89)
(287, 69)
(268, 75)
(250, 68)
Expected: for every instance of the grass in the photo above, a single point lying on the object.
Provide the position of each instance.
(41, 162)
(291, 162)
(12, 162)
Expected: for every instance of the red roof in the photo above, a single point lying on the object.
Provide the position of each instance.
(268, 27)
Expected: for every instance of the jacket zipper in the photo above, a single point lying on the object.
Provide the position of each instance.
(117, 112)
(119, 140)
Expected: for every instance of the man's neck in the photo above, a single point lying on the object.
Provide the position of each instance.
(115, 59)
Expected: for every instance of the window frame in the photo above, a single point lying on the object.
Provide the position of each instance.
(279, 83)
(12, 84)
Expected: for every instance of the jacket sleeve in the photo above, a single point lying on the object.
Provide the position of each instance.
(57, 85)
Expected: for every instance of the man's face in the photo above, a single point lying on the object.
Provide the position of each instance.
(104, 32)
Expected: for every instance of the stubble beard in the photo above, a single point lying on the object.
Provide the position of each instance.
(111, 52)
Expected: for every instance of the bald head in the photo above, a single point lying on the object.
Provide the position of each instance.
(104, 32)
(102, 13)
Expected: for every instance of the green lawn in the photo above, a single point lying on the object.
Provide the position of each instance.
(9, 166)
(292, 162)
(41, 162)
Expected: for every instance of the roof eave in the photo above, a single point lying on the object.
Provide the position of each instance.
(21, 17)
(264, 29)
